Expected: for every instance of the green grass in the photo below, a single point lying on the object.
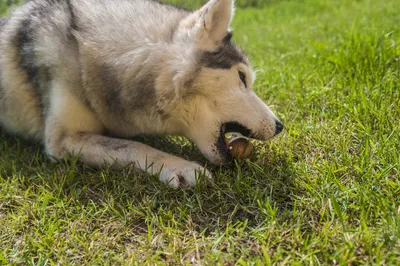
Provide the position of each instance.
(325, 192)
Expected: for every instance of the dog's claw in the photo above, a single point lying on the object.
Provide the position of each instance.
(183, 174)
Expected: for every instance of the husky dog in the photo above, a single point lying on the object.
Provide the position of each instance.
(84, 76)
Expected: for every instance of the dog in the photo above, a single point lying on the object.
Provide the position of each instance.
(84, 76)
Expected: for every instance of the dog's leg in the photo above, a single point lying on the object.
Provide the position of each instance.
(72, 128)
(98, 151)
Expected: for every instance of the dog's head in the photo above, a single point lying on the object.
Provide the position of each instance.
(217, 84)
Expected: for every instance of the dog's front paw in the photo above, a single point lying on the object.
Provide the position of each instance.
(182, 173)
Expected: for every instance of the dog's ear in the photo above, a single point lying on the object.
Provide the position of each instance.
(210, 24)
(215, 19)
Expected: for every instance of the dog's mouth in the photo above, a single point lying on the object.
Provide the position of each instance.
(222, 145)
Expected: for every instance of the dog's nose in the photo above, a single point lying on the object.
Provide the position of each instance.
(278, 127)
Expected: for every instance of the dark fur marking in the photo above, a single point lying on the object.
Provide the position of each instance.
(38, 77)
(227, 38)
(27, 50)
(2, 22)
(1, 98)
(113, 88)
(107, 142)
(164, 116)
(73, 20)
(112, 144)
(226, 57)
(141, 92)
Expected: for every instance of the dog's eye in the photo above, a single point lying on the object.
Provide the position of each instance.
(242, 77)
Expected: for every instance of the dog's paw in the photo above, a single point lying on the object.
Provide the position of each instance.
(183, 174)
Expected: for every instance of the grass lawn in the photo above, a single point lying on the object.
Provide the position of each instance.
(327, 191)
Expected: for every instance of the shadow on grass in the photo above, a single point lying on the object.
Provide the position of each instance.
(251, 191)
